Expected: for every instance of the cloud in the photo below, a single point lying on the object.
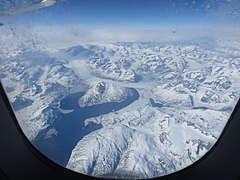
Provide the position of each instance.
(66, 35)
(57, 36)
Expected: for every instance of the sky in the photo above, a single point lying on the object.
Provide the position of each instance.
(121, 12)
(127, 20)
(139, 13)
(130, 12)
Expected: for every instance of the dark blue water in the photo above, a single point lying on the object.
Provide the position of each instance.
(159, 105)
(21, 103)
(2, 75)
(203, 108)
(71, 127)
(38, 89)
(9, 89)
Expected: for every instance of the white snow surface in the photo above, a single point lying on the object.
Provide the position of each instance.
(196, 90)
(144, 142)
(187, 93)
(102, 92)
(41, 79)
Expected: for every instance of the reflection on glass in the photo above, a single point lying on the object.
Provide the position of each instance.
(122, 89)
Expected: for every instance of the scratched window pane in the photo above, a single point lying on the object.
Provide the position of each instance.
(129, 89)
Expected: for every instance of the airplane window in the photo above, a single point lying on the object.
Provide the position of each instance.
(123, 88)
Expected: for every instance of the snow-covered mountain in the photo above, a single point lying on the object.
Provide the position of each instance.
(146, 142)
(186, 95)
(35, 83)
(102, 92)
